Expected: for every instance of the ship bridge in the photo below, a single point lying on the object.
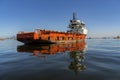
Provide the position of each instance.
(77, 26)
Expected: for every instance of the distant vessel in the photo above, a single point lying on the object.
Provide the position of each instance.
(76, 32)
(2, 38)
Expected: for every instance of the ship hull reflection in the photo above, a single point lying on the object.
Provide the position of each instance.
(52, 48)
(75, 50)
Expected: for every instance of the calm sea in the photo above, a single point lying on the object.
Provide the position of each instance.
(93, 59)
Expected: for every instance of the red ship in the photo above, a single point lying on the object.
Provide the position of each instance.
(77, 32)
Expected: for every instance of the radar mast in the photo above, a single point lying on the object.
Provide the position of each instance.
(74, 16)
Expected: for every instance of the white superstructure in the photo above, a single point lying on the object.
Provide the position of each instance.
(77, 26)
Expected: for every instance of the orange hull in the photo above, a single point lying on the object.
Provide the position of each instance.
(46, 36)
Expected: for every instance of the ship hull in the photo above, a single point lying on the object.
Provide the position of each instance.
(48, 41)
(49, 37)
(36, 41)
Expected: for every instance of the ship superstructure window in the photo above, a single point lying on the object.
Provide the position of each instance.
(74, 24)
(72, 27)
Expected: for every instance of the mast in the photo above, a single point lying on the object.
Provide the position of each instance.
(74, 16)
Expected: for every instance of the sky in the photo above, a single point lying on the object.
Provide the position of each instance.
(102, 17)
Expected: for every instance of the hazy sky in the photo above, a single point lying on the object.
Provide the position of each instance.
(102, 17)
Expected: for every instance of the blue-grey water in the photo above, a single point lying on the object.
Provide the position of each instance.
(94, 59)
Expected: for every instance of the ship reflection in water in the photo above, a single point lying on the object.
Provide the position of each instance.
(76, 52)
(77, 60)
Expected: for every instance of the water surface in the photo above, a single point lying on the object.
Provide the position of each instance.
(93, 59)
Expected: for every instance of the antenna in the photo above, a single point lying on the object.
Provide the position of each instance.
(74, 16)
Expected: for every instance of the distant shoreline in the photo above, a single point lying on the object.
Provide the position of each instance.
(2, 39)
